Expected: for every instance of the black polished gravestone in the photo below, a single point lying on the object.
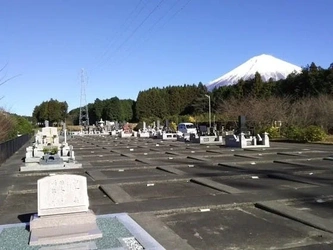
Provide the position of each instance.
(116, 125)
(51, 160)
(203, 130)
(241, 124)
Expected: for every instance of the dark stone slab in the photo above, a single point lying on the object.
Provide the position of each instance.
(297, 215)
(312, 163)
(163, 234)
(167, 189)
(260, 182)
(242, 228)
(97, 175)
(133, 173)
(216, 185)
(172, 170)
(200, 170)
(318, 206)
(116, 193)
(118, 164)
(295, 178)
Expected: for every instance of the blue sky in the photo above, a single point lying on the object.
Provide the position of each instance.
(130, 45)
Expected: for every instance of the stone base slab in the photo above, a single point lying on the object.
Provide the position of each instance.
(61, 229)
(62, 220)
(38, 167)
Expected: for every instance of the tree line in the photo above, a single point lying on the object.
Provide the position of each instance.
(53, 110)
(12, 125)
(304, 98)
(112, 109)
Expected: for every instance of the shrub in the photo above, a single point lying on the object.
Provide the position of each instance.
(314, 133)
(273, 132)
(173, 126)
(294, 133)
(50, 150)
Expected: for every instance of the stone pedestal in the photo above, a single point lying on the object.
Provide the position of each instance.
(64, 228)
(123, 134)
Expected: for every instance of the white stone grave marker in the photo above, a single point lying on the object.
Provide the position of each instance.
(61, 194)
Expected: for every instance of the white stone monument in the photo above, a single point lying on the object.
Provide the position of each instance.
(47, 142)
(144, 132)
(63, 212)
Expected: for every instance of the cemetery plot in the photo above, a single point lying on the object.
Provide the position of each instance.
(130, 163)
(254, 166)
(308, 163)
(320, 206)
(134, 173)
(264, 156)
(200, 146)
(200, 170)
(106, 144)
(162, 190)
(324, 178)
(259, 183)
(91, 151)
(131, 149)
(307, 153)
(19, 203)
(149, 154)
(252, 155)
(242, 228)
(298, 214)
(121, 147)
(160, 148)
(115, 230)
(79, 144)
(204, 153)
(104, 157)
(221, 158)
(174, 160)
(97, 197)
(270, 149)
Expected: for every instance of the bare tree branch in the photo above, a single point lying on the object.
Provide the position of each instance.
(3, 68)
(7, 121)
(8, 79)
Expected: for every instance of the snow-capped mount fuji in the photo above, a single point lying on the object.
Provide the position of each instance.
(268, 66)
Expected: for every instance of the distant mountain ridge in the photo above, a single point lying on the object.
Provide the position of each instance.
(268, 66)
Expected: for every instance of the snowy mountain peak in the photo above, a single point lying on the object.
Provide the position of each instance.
(268, 66)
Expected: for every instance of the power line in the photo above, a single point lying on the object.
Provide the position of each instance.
(122, 28)
(137, 28)
(151, 28)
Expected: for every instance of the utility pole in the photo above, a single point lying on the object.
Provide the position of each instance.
(84, 114)
(209, 111)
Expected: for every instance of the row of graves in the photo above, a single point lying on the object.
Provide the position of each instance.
(158, 131)
(113, 128)
(100, 128)
(124, 130)
(48, 153)
(240, 138)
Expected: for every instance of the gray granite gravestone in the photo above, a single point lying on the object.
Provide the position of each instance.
(63, 212)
